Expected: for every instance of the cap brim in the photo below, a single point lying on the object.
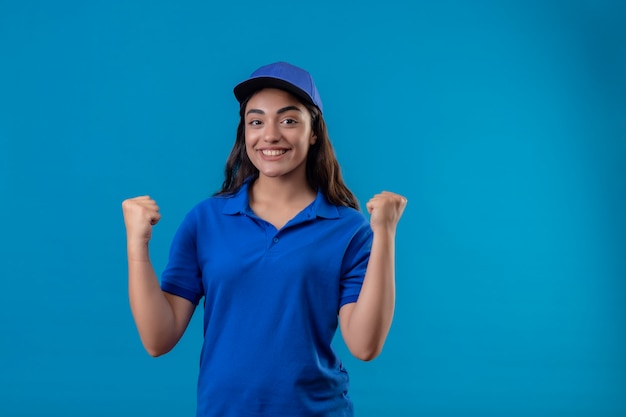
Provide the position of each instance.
(246, 88)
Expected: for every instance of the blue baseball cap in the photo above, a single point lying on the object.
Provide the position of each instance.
(283, 76)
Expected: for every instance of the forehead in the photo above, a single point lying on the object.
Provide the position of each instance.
(269, 98)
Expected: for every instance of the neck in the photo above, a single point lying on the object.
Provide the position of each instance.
(281, 190)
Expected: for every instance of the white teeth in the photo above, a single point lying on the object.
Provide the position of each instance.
(273, 152)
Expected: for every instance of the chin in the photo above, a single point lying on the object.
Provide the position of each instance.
(271, 174)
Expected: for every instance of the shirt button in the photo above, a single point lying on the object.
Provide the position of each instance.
(275, 240)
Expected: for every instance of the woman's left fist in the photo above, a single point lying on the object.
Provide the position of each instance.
(385, 210)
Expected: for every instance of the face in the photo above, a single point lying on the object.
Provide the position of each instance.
(278, 134)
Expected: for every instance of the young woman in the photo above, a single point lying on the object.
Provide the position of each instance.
(281, 256)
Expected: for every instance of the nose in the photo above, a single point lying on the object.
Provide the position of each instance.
(271, 133)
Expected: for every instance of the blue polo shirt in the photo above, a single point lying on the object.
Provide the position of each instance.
(271, 302)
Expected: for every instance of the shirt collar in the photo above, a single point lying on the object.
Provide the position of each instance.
(238, 203)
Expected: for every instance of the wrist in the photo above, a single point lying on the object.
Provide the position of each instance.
(384, 231)
(138, 251)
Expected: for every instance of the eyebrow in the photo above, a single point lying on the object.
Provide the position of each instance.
(280, 111)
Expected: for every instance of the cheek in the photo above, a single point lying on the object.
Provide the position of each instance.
(248, 147)
(248, 142)
(249, 151)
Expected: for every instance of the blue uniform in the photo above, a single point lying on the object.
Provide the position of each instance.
(271, 304)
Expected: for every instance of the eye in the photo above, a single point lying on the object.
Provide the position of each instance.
(254, 122)
(290, 121)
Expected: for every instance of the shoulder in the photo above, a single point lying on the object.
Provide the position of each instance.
(215, 204)
(351, 215)
(350, 223)
(208, 208)
(325, 209)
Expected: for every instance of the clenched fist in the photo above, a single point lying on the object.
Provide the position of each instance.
(140, 214)
(385, 210)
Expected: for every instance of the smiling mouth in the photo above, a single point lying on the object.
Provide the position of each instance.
(273, 152)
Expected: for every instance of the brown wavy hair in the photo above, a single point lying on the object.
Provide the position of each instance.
(322, 169)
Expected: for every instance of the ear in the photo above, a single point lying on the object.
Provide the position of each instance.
(313, 139)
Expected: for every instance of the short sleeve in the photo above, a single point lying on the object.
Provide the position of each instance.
(354, 265)
(182, 275)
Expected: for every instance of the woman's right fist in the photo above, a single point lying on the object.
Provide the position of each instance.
(140, 214)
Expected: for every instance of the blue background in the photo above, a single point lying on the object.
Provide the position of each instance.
(504, 124)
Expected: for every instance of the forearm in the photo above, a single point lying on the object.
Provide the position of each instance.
(152, 312)
(369, 320)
